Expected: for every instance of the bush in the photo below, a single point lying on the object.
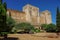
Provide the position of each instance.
(49, 27)
(4, 33)
(37, 30)
(27, 27)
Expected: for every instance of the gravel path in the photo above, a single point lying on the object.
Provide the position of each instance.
(32, 37)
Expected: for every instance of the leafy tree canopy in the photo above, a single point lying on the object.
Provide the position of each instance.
(24, 26)
(49, 27)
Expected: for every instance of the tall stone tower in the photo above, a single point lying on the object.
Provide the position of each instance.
(45, 17)
(32, 13)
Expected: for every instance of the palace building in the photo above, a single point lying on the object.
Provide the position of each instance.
(31, 15)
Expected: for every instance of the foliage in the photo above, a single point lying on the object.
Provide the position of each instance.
(24, 26)
(49, 27)
(3, 33)
(2, 17)
(5, 5)
(36, 30)
(58, 20)
(0, 1)
(15, 31)
(10, 24)
(44, 26)
(6, 23)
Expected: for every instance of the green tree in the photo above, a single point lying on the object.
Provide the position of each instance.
(10, 23)
(58, 20)
(44, 26)
(49, 27)
(24, 26)
(6, 23)
(2, 17)
(3, 26)
(5, 5)
(0, 1)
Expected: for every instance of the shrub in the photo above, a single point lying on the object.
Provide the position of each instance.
(36, 30)
(49, 27)
(4, 33)
(27, 27)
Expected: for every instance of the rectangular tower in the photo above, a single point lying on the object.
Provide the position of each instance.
(45, 17)
(32, 13)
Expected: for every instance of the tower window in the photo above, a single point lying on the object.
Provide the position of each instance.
(30, 12)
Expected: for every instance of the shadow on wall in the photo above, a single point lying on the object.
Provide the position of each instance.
(9, 38)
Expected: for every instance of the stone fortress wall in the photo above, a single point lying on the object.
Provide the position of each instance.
(32, 15)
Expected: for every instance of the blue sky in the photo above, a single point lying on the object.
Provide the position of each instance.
(50, 5)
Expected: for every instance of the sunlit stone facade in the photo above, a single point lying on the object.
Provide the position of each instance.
(32, 15)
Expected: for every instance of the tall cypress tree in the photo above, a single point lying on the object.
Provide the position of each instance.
(58, 20)
(2, 17)
(1, 1)
(5, 6)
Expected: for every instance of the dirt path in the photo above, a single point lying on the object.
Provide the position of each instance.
(32, 37)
